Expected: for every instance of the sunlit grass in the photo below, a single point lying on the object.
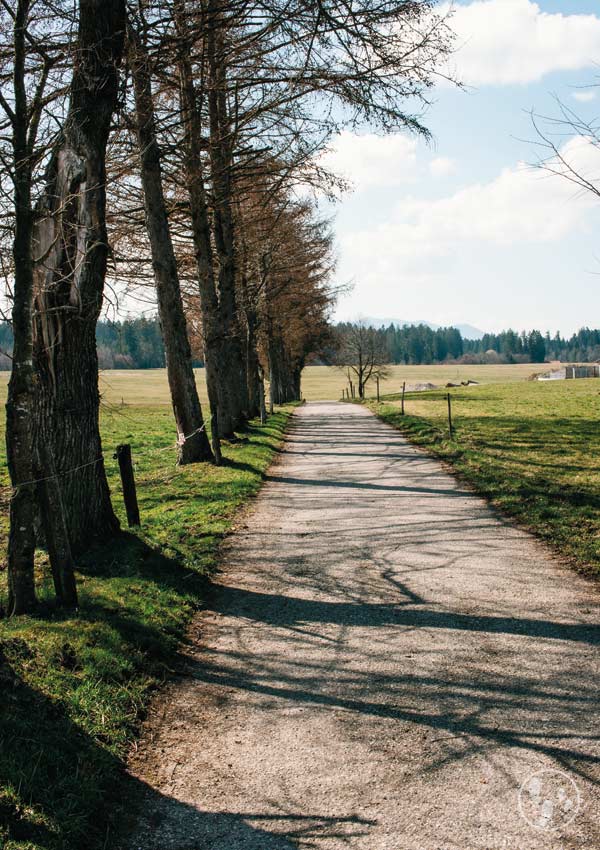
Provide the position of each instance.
(147, 387)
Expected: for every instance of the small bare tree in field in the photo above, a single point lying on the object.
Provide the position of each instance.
(362, 354)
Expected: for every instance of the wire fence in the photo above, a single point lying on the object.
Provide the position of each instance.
(178, 444)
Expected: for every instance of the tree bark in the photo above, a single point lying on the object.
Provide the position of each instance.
(212, 330)
(252, 364)
(56, 535)
(284, 376)
(19, 405)
(193, 442)
(233, 367)
(70, 243)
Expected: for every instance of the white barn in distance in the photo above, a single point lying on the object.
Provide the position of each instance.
(570, 373)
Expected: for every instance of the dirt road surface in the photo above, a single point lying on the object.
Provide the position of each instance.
(384, 664)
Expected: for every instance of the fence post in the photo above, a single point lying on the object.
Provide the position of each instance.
(450, 426)
(403, 391)
(123, 455)
(377, 379)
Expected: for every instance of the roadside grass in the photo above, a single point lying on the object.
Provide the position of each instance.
(75, 685)
(532, 449)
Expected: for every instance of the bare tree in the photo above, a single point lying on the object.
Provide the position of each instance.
(71, 251)
(35, 49)
(193, 443)
(257, 84)
(362, 353)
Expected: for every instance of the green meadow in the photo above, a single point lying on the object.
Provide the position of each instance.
(149, 386)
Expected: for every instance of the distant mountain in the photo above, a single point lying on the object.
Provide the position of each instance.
(467, 331)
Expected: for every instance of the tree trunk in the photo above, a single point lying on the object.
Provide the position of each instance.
(193, 442)
(19, 406)
(284, 377)
(221, 165)
(55, 530)
(70, 244)
(212, 331)
(252, 364)
(297, 382)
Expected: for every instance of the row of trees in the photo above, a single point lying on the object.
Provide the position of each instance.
(171, 144)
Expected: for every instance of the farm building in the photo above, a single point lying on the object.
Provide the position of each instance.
(571, 372)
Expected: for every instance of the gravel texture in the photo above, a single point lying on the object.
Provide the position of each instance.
(383, 664)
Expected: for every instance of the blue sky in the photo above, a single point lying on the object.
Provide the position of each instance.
(463, 230)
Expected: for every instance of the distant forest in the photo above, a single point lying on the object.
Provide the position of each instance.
(137, 344)
(130, 344)
(419, 344)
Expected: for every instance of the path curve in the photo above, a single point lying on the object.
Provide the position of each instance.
(383, 663)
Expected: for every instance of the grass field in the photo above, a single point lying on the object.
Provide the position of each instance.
(532, 448)
(149, 386)
(326, 382)
(74, 686)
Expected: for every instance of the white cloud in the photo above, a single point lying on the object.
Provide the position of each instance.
(513, 41)
(520, 205)
(441, 166)
(584, 96)
(367, 160)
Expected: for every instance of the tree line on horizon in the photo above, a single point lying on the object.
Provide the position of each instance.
(422, 345)
(137, 343)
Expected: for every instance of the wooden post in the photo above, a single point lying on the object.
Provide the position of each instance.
(403, 392)
(215, 438)
(123, 455)
(450, 426)
(353, 391)
(377, 379)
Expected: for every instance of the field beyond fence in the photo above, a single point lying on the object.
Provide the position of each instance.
(149, 386)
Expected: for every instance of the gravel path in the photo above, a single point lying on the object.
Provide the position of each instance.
(383, 664)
